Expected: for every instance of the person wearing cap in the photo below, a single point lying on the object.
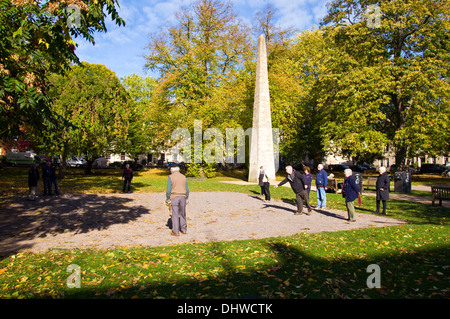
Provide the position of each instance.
(350, 192)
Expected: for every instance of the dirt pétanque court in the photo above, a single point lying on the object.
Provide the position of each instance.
(102, 221)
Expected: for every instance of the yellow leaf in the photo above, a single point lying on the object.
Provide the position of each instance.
(44, 42)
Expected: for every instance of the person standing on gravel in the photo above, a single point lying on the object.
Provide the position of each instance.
(299, 187)
(178, 192)
(263, 181)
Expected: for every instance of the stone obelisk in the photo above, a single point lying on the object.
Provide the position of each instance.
(261, 147)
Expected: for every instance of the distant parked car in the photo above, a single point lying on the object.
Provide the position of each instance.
(392, 168)
(172, 164)
(358, 168)
(368, 167)
(101, 162)
(21, 158)
(115, 165)
(432, 168)
(75, 162)
(133, 164)
(337, 167)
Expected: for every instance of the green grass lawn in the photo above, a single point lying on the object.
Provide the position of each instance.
(414, 259)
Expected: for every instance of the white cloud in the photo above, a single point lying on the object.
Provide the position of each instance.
(301, 14)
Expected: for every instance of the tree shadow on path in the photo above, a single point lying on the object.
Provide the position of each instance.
(23, 220)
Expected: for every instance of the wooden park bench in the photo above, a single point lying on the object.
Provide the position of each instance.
(370, 182)
(440, 192)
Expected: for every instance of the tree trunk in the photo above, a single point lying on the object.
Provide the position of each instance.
(400, 147)
(400, 157)
(63, 167)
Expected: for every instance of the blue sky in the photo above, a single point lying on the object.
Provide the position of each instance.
(122, 49)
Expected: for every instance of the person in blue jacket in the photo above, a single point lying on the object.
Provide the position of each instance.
(350, 192)
(321, 185)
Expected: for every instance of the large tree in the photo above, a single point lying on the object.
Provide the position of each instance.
(97, 111)
(203, 62)
(37, 39)
(141, 128)
(387, 78)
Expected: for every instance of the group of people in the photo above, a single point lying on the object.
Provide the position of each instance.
(301, 185)
(177, 190)
(48, 178)
(350, 191)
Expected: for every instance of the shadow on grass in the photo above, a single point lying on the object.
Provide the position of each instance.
(292, 272)
(14, 181)
(238, 174)
(22, 220)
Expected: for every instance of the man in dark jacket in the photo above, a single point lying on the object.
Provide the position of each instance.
(350, 192)
(298, 186)
(382, 188)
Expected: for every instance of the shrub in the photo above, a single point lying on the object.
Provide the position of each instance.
(193, 170)
(209, 170)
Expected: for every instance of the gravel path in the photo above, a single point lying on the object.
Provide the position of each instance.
(140, 219)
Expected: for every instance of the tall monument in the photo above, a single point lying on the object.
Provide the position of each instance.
(261, 147)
